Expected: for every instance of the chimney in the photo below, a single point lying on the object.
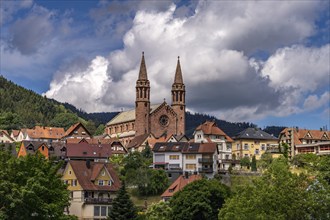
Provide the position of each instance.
(88, 164)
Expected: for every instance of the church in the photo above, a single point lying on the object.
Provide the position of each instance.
(154, 120)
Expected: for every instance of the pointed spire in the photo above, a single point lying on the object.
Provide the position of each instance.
(178, 74)
(143, 70)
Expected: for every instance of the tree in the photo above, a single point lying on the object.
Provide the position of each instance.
(159, 211)
(64, 120)
(265, 160)
(146, 152)
(308, 161)
(122, 206)
(324, 168)
(199, 200)
(245, 162)
(278, 194)
(100, 130)
(285, 150)
(31, 188)
(254, 163)
(90, 126)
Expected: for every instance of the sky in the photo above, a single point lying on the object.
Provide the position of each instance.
(265, 62)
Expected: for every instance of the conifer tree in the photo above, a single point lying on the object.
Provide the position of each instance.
(122, 206)
(254, 163)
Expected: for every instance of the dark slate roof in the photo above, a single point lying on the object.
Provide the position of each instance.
(185, 147)
(254, 133)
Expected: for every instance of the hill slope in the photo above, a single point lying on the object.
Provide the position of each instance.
(20, 107)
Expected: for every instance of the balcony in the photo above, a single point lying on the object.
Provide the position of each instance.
(205, 170)
(98, 200)
(205, 160)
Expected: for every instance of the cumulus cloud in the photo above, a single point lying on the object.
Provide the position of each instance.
(315, 102)
(215, 46)
(84, 88)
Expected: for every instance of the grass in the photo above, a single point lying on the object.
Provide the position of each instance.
(140, 200)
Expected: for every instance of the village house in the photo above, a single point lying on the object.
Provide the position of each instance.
(57, 150)
(93, 187)
(95, 152)
(179, 157)
(179, 184)
(17, 135)
(305, 141)
(46, 134)
(252, 142)
(77, 131)
(5, 137)
(209, 132)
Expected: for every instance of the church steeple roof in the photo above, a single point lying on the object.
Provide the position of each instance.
(178, 74)
(143, 70)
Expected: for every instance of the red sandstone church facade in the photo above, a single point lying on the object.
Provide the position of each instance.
(151, 120)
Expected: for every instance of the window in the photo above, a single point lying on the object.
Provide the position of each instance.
(263, 147)
(257, 142)
(109, 182)
(83, 132)
(228, 147)
(174, 157)
(66, 182)
(75, 132)
(326, 147)
(246, 146)
(190, 156)
(103, 173)
(237, 146)
(199, 136)
(96, 210)
(100, 182)
(74, 182)
(256, 152)
(190, 166)
(227, 157)
(103, 211)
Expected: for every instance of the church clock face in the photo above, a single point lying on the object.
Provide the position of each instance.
(163, 120)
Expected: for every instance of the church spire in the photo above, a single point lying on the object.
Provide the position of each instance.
(178, 74)
(143, 70)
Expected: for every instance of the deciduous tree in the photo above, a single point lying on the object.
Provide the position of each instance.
(199, 200)
(31, 188)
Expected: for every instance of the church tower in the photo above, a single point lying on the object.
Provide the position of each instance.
(142, 103)
(179, 99)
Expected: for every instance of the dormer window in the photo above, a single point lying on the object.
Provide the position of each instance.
(101, 183)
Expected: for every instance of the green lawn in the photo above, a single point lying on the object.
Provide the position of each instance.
(140, 200)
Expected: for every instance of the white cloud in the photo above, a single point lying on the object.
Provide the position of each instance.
(84, 88)
(315, 102)
(213, 45)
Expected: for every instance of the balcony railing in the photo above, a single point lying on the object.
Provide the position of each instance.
(205, 160)
(98, 200)
(205, 170)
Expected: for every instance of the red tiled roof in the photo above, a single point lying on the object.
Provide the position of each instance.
(39, 132)
(179, 184)
(86, 176)
(210, 127)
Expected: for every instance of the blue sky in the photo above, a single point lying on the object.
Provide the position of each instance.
(265, 62)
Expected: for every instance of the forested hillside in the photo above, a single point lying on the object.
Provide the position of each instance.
(20, 107)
